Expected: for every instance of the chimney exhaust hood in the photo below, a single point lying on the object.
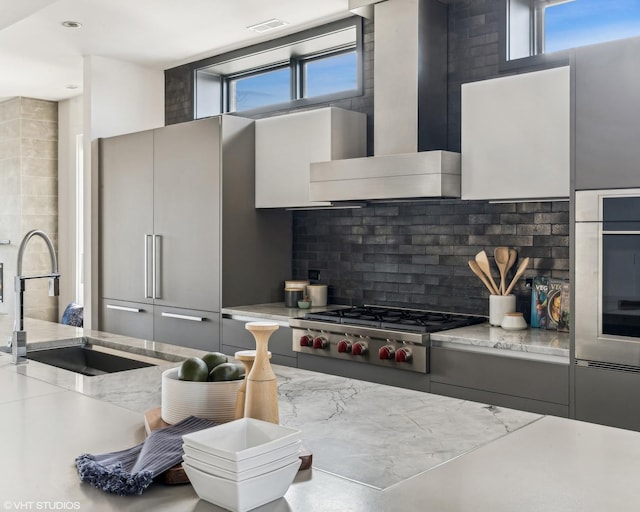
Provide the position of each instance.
(410, 114)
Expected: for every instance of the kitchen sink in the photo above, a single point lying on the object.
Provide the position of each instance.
(88, 359)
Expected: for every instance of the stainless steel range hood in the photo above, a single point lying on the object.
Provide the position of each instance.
(410, 114)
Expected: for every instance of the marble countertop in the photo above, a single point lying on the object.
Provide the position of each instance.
(375, 447)
(364, 413)
(529, 343)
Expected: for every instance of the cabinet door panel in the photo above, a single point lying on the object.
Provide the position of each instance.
(126, 318)
(537, 380)
(500, 161)
(187, 328)
(126, 214)
(607, 101)
(187, 214)
(607, 397)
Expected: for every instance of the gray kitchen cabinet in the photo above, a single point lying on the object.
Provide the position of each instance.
(520, 383)
(286, 145)
(607, 396)
(133, 319)
(235, 337)
(516, 136)
(126, 215)
(179, 230)
(188, 327)
(607, 102)
(186, 216)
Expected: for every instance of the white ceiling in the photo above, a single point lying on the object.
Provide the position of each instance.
(39, 58)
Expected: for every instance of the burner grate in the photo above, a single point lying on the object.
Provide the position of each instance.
(396, 319)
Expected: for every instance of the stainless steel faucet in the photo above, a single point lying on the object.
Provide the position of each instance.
(19, 339)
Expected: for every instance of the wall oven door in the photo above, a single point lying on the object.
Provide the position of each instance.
(607, 276)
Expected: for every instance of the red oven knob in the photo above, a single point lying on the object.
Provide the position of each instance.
(387, 352)
(403, 355)
(306, 340)
(344, 346)
(359, 348)
(320, 342)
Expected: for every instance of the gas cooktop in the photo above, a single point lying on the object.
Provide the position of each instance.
(380, 317)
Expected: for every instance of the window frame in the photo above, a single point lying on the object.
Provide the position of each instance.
(538, 59)
(294, 61)
(228, 79)
(302, 61)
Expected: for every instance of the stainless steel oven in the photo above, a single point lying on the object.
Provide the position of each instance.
(607, 277)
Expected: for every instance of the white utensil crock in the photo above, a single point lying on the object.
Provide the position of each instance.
(500, 305)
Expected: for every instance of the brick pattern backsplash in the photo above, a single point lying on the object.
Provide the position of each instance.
(415, 254)
(178, 96)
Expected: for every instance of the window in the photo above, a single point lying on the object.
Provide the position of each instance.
(314, 66)
(330, 74)
(536, 27)
(582, 22)
(258, 89)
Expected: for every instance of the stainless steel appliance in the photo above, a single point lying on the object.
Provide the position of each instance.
(607, 278)
(375, 335)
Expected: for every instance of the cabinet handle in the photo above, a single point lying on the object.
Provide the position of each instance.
(156, 254)
(183, 317)
(146, 267)
(124, 308)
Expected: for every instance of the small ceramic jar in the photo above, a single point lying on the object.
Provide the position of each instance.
(513, 322)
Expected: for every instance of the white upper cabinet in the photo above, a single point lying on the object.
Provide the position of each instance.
(286, 146)
(516, 136)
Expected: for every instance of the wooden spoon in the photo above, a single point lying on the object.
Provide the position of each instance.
(476, 270)
(501, 255)
(483, 262)
(521, 268)
(513, 256)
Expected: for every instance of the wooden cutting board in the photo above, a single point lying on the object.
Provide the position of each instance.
(176, 475)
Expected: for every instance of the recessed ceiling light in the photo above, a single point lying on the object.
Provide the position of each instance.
(267, 25)
(71, 24)
(71, 86)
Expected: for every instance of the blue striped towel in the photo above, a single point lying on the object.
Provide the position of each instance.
(131, 471)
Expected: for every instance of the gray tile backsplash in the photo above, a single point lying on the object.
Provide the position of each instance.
(416, 254)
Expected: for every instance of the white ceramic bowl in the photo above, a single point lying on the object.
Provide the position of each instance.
(242, 439)
(240, 475)
(214, 401)
(245, 495)
(240, 466)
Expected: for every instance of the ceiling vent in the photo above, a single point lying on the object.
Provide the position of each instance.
(265, 26)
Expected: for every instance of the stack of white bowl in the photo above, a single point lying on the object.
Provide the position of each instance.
(242, 464)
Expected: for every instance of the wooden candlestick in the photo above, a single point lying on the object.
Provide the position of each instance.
(261, 401)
